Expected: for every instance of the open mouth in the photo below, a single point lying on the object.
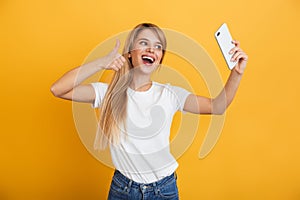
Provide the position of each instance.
(148, 60)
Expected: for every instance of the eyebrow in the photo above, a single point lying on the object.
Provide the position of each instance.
(158, 42)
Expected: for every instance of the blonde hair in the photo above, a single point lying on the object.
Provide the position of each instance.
(113, 112)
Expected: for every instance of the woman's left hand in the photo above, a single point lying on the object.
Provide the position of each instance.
(240, 56)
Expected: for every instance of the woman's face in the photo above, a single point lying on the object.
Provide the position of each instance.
(147, 51)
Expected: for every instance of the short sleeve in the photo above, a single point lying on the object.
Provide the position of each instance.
(100, 91)
(180, 94)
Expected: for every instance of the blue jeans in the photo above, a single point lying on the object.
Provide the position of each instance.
(122, 188)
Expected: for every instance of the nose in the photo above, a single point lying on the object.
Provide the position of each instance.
(150, 49)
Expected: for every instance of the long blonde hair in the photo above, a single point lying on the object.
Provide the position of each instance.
(114, 106)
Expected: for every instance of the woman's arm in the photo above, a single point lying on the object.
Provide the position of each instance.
(69, 85)
(203, 105)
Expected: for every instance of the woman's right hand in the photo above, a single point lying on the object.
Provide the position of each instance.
(114, 60)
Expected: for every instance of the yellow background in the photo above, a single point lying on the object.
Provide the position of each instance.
(42, 157)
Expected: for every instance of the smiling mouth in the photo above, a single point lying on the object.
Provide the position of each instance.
(148, 60)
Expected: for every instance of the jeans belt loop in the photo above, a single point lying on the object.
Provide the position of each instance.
(155, 188)
(129, 186)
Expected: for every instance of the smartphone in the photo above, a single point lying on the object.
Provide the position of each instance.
(224, 40)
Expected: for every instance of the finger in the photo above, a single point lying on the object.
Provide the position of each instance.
(120, 62)
(236, 43)
(117, 46)
(115, 65)
(123, 59)
(241, 56)
(115, 68)
(234, 57)
(112, 66)
(119, 65)
(117, 62)
(234, 50)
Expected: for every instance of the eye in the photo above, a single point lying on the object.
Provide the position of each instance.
(158, 46)
(144, 43)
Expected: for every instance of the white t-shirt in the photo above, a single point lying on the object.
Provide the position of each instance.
(143, 154)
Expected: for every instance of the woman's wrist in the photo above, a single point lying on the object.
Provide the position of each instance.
(237, 72)
(235, 76)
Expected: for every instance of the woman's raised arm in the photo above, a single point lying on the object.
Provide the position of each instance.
(69, 85)
(203, 105)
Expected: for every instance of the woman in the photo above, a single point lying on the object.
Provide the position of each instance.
(136, 113)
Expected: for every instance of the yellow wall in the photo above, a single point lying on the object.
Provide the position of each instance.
(42, 157)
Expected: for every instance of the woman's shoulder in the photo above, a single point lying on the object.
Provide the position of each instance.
(99, 85)
(158, 84)
(165, 85)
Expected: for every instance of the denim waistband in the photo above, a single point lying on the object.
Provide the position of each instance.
(130, 183)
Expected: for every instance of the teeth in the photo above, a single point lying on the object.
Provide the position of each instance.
(147, 57)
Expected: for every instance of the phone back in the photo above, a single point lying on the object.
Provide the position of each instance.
(224, 39)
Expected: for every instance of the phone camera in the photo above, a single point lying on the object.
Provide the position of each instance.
(218, 33)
